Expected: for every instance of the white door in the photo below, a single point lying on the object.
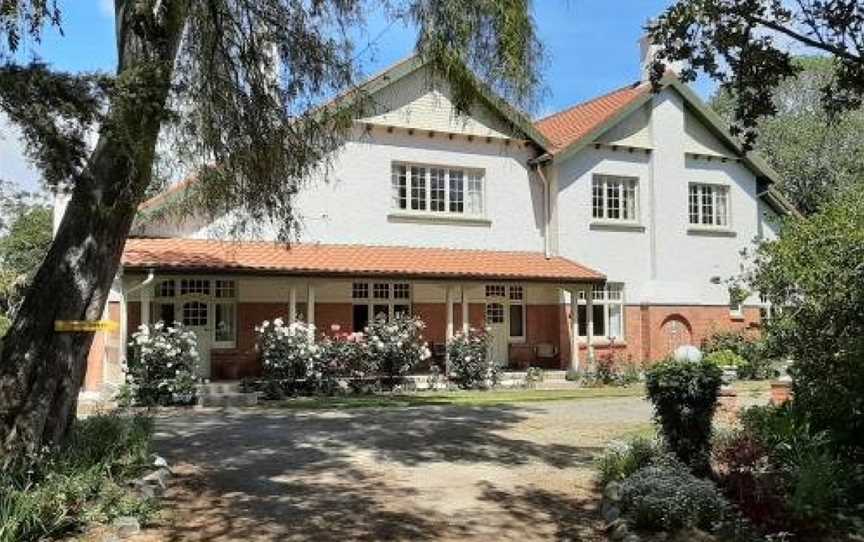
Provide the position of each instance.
(497, 322)
(196, 317)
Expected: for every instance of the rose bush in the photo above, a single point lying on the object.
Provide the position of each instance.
(162, 368)
(396, 346)
(471, 367)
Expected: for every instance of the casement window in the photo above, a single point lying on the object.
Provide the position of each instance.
(709, 205)
(615, 198)
(766, 309)
(607, 312)
(437, 189)
(505, 304)
(379, 299)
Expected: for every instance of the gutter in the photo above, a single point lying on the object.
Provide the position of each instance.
(538, 164)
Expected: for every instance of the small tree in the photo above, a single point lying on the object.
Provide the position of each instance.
(684, 395)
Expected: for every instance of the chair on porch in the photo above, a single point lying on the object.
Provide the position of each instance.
(546, 354)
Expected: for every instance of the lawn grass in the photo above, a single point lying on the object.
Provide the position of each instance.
(478, 398)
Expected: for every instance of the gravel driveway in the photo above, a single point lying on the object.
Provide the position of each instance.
(515, 472)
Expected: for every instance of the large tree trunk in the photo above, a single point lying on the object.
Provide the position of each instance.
(41, 371)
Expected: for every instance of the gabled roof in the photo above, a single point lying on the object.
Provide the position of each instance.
(202, 255)
(573, 124)
(574, 128)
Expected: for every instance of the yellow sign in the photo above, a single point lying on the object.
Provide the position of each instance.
(85, 325)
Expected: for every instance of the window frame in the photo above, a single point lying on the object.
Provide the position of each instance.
(625, 184)
(403, 193)
(719, 191)
(220, 290)
(371, 300)
(603, 297)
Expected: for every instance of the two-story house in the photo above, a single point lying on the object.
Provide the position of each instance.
(612, 225)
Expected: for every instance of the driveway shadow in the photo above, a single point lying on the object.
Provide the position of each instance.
(328, 475)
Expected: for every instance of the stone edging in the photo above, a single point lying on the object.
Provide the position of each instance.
(150, 486)
(617, 527)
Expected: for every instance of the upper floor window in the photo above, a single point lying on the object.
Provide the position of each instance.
(614, 198)
(709, 205)
(436, 189)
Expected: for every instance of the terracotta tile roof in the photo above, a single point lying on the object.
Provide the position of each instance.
(568, 126)
(358, 260)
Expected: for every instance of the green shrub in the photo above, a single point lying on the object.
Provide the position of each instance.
(471, 366)
(396, 346)
(725, 358)
(684, 396)
(84, 482)
(622, 458)
(757, 360)
(163, 365)
(668, 498)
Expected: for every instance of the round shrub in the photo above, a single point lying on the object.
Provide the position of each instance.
(668, 498)
(725, 358)
(621, 459)
(684, 396)
(162, 368)
(396, 346)
(288, 351)
(471, 367)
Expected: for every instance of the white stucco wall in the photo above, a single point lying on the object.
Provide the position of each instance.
(684, 261)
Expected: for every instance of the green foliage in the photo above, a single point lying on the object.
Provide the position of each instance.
(611, 369)
(86, 482)
(471, 366)
(163, 365)
(813, 275)
(725, 358)
(621, 459)
(396, 345)
(668, 498)
(757, 358)
(816, 154)
(783, 474)
(684, 396)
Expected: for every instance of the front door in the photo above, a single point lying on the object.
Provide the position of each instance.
(196, 317)
(496, 321)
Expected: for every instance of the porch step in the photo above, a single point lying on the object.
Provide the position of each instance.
(227, 399)
(224, 394)
(228, 386)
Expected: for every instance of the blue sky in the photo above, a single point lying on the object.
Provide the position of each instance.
(591, 48)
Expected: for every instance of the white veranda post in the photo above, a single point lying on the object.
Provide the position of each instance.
(449, 331)
(292, 304)
(465, 324)
(574, 331)
(589, 323)
(310, 309)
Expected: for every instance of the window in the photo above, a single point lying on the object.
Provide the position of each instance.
(506, 305)
(166, 289)
(614, 198)
(388, 299)
(607, 312)
(225, 315)
(766, 310)
(194, 314)
(224, 289)
(166, 313)
(736, 302)
(709, 205)
(194, 287)
(437, 190)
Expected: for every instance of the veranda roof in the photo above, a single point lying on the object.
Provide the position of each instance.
(201, 255)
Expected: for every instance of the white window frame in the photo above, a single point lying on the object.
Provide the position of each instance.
(626, 185)
(719, 193)
(507, 295)
(222, 291)
(403, 195)
(766, 308)
(605, 296)
(370, 299)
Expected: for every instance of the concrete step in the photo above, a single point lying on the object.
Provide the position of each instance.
(227, 399)
(228, 386)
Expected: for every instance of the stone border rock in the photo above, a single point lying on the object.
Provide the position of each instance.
(617, 527)
(150, 486)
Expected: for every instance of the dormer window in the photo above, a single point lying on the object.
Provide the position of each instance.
(437, 190)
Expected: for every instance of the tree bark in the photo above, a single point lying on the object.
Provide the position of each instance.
(41, 371)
